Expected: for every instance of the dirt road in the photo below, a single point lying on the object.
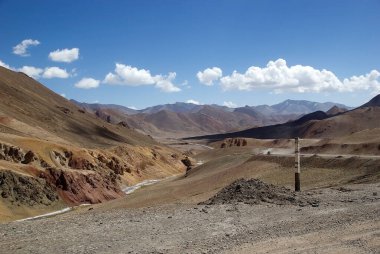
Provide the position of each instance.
(346, 221)
(290, 152)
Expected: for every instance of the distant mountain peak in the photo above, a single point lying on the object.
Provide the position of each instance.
(335, 110)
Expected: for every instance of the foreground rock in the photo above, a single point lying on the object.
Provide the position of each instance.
(254, 192)
(345, 222)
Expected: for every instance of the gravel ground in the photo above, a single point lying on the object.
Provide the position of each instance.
(345, 221)
(255, 192)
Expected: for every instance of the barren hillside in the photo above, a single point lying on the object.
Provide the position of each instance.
(48, 143)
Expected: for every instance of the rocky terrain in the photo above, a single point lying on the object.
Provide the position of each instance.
(26, 190)
(254, 191)
(346, 221)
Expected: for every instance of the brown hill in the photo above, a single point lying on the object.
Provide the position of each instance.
(335, 110)
(167, 123)
(374, 102)
(49, 145)
(25, 100)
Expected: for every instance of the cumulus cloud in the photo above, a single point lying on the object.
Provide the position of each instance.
(87, 83)
(21, 48)
(31, 71)
(64, 55)
(193, 102)
(369, 81)
(165, 83)
(229, 104)
(209, 75)
(2, 64)
(132, 76)
(55, 72)
(48, 73)
(278, 76)
(36, 73)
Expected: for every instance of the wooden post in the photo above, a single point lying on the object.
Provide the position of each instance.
(297, 182)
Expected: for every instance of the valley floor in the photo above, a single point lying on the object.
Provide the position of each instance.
(346, 221)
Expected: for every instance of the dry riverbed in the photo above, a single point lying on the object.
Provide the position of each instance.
(345, 221)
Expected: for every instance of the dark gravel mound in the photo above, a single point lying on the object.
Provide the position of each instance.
(254, 192)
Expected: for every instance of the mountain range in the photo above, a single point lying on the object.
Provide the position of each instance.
(336, 122)
(187, 119)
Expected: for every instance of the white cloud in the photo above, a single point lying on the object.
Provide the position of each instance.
(55, 72)
(64, 55)
(132, 107)
(2, 64)
(193, 102)
(48, 73)
(31, 71)
(165, 83)
(131, 76)
(229, 104)
(128, 75)
(369, 81)
(298, 78)
(209, 75)
(36, 73)
(21, 49)
(63, 95)
(87, 83)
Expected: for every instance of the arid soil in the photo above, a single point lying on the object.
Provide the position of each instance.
(345, 221)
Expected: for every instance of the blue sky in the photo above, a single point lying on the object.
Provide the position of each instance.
(279, 50)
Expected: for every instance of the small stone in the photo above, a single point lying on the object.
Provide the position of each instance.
(169, 217)
(374, 194)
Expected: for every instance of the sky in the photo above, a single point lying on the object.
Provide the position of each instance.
(140, 53)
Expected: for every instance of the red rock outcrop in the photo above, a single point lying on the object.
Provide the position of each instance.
(78, 188)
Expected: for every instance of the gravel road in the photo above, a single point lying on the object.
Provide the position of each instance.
(347, 220)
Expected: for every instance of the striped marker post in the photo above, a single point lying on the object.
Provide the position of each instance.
(297, 182)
